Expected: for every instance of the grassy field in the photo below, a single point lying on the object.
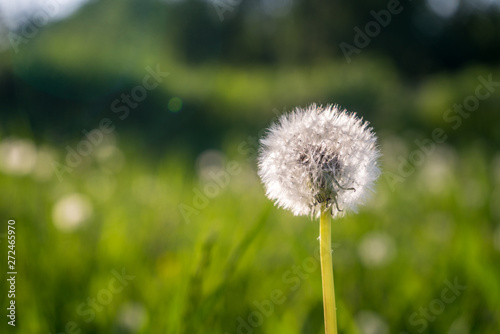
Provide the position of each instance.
(162, 225)
(121, 245)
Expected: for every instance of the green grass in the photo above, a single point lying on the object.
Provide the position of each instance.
(240, 251)
(238, 258)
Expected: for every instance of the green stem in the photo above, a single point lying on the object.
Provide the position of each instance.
(325, 242)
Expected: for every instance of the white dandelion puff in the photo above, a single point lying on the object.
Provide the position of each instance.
(319, 156)
(370, 322)
(132, 317)
(320, 162)
(17, 156)
(71, 211)
(376, 249)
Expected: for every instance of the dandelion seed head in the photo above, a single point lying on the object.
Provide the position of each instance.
(319, 155)
(71, 211)
(17, 156)
(376, 249)
(132, 317)
(370, 322)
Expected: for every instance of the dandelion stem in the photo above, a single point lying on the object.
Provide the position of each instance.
(325, 241)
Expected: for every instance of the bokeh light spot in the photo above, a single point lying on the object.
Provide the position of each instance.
(17, 156)
(443, 8)
(71, 211)
(376, 249)
(175, 104)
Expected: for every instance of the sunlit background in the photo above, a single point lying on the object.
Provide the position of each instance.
(128, 138)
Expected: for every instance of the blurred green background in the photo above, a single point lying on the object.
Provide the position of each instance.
(137, 204)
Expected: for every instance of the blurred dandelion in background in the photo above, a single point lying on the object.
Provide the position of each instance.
(71, 211)
(438, 170)
(208, 163)
(376, 249)
(459, 326)
(370, 322)
(17, 156)
(132, 317)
